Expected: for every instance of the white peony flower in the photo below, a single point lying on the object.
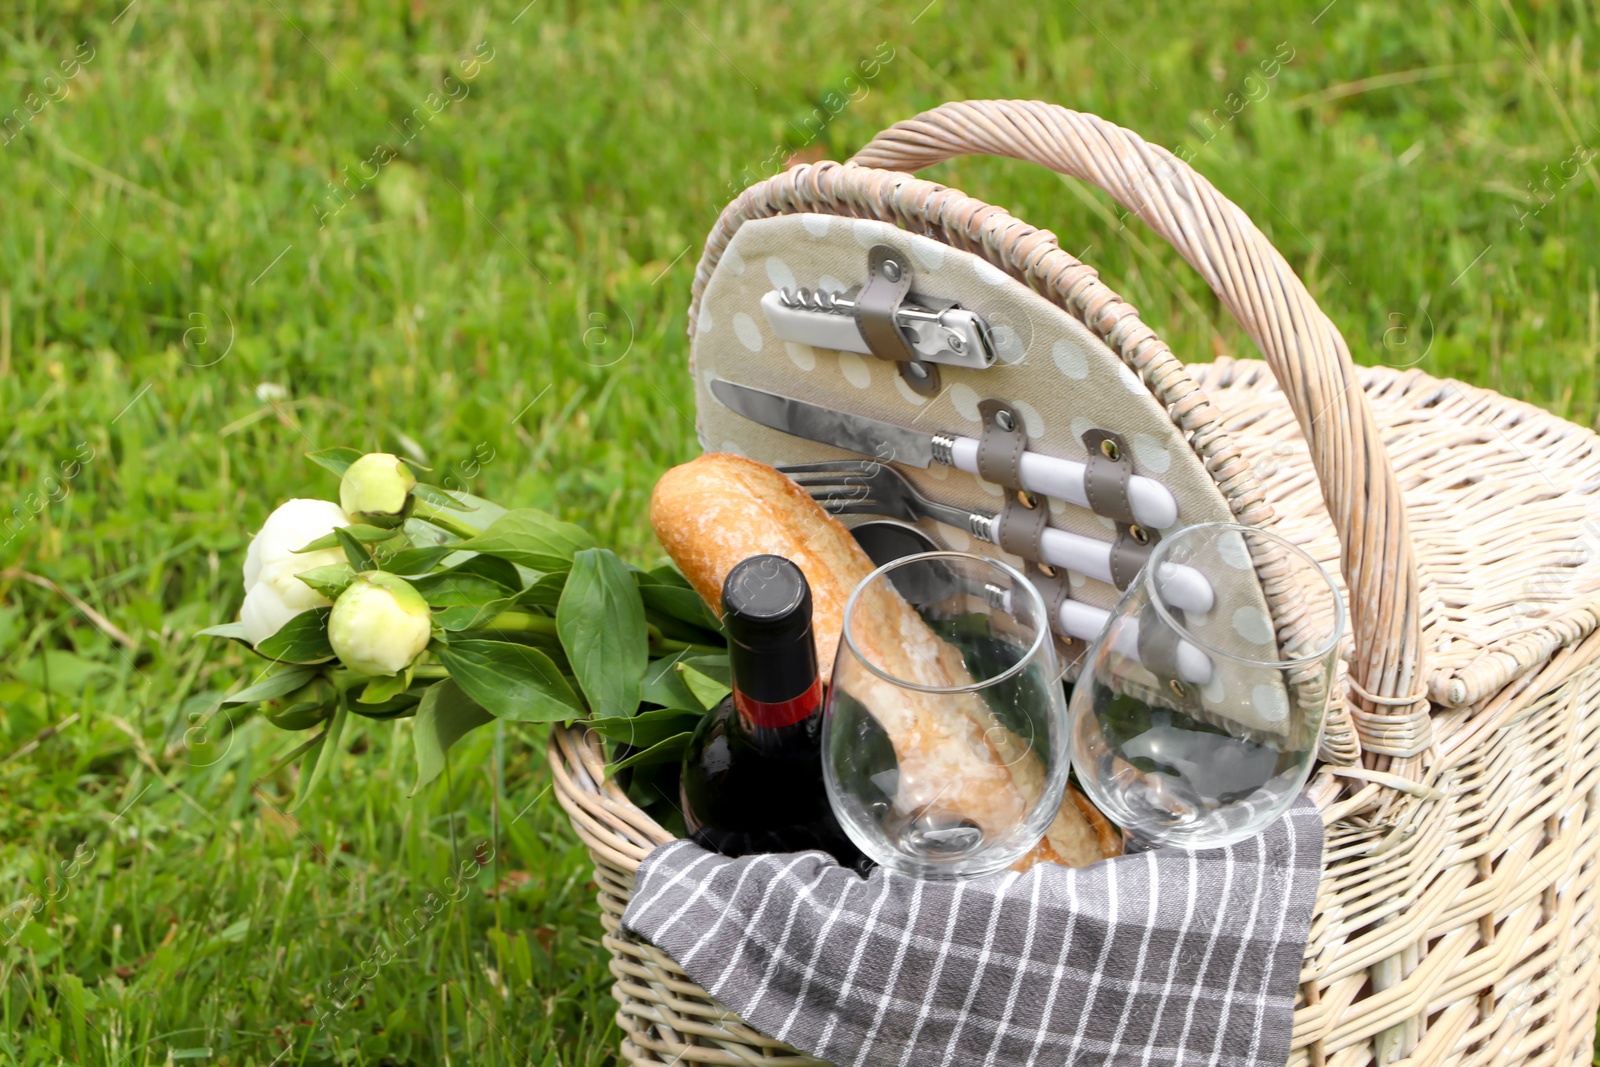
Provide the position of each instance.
(379, 624)
(273, 592)
(376, 490)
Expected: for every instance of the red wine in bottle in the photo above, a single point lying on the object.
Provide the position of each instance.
(752, 774)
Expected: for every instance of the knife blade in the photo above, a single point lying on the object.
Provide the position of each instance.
(1062, 479)
(854, 433)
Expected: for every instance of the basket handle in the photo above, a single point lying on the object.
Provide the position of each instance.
(1302, 346)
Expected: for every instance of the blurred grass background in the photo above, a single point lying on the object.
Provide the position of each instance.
(201, 278)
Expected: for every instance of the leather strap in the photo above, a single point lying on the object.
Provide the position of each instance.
(1020, 527)
(878, 301)
(888, 282)
(1055, 589)
(1021, 523)
(1106, 474)
(1158, 647)
(1128, 557)
(1105, 483)
(1000, 449)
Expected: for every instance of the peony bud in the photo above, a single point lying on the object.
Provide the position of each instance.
(380, 624)
(273, 592)
(376, 490)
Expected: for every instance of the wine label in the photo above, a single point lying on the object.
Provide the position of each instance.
(784, 712)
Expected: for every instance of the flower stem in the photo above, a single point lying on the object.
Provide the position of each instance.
(521, 622)
(441, 517)
(668, 645)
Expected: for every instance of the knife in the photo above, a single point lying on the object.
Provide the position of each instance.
(1061, 479)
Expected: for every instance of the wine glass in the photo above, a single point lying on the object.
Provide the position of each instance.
(944, 738)
(1197, 730)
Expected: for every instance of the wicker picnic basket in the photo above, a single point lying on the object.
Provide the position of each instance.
(1456, 921)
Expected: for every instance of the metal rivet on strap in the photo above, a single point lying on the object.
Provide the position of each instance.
(1047, 570)
(1003, 419)
(1139, 534)
(1178, 689)
(1027, 499)
(1109, 449)
(891, 270)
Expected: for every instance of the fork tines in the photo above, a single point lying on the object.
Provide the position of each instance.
(836, 466)
(840, 486)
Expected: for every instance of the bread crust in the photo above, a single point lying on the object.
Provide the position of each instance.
(714, 511)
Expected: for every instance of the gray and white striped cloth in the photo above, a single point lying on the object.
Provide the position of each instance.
(1161, 958)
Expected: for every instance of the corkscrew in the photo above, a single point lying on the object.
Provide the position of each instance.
(938, 330)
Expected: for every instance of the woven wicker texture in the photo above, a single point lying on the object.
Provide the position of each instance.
(1458, 915)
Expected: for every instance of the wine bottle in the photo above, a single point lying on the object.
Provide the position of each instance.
(752, 774)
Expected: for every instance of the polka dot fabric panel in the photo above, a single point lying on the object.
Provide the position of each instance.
(1061, 378)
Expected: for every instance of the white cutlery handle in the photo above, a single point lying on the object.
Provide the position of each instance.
(1181, 585)
(1153, 505)
(1085, 622)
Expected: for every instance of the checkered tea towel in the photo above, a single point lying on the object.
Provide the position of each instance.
(1161, 958)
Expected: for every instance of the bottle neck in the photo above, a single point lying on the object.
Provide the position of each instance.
(774, 687)
(774, 715)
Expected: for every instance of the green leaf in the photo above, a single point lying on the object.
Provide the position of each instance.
(438, 497)
(299, 750)
(545, 592)
(667, 574)
(285, 681)
(383, 690)
(712, 665)
(661, 752)
(337, 460)
(415, 561)
(672, 629)
(330, 581)
(533, 539)
(511, 681)
(303, 639)
(663, 685)
(234, 630)
(321, 758)
(363, 534)
(444, 716)
(302, 716)
(707, 690)
(649, 727)
(355, 551)
(401, 707)
(473, 581)
(601, 622)
(684, 605)
(70, 988)
(470, 616)
(482, 514)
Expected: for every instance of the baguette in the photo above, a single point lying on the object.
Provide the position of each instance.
(713, 512)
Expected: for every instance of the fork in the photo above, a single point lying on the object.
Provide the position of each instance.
(867, 487)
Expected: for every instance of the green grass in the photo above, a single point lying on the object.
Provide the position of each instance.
(172, 196)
